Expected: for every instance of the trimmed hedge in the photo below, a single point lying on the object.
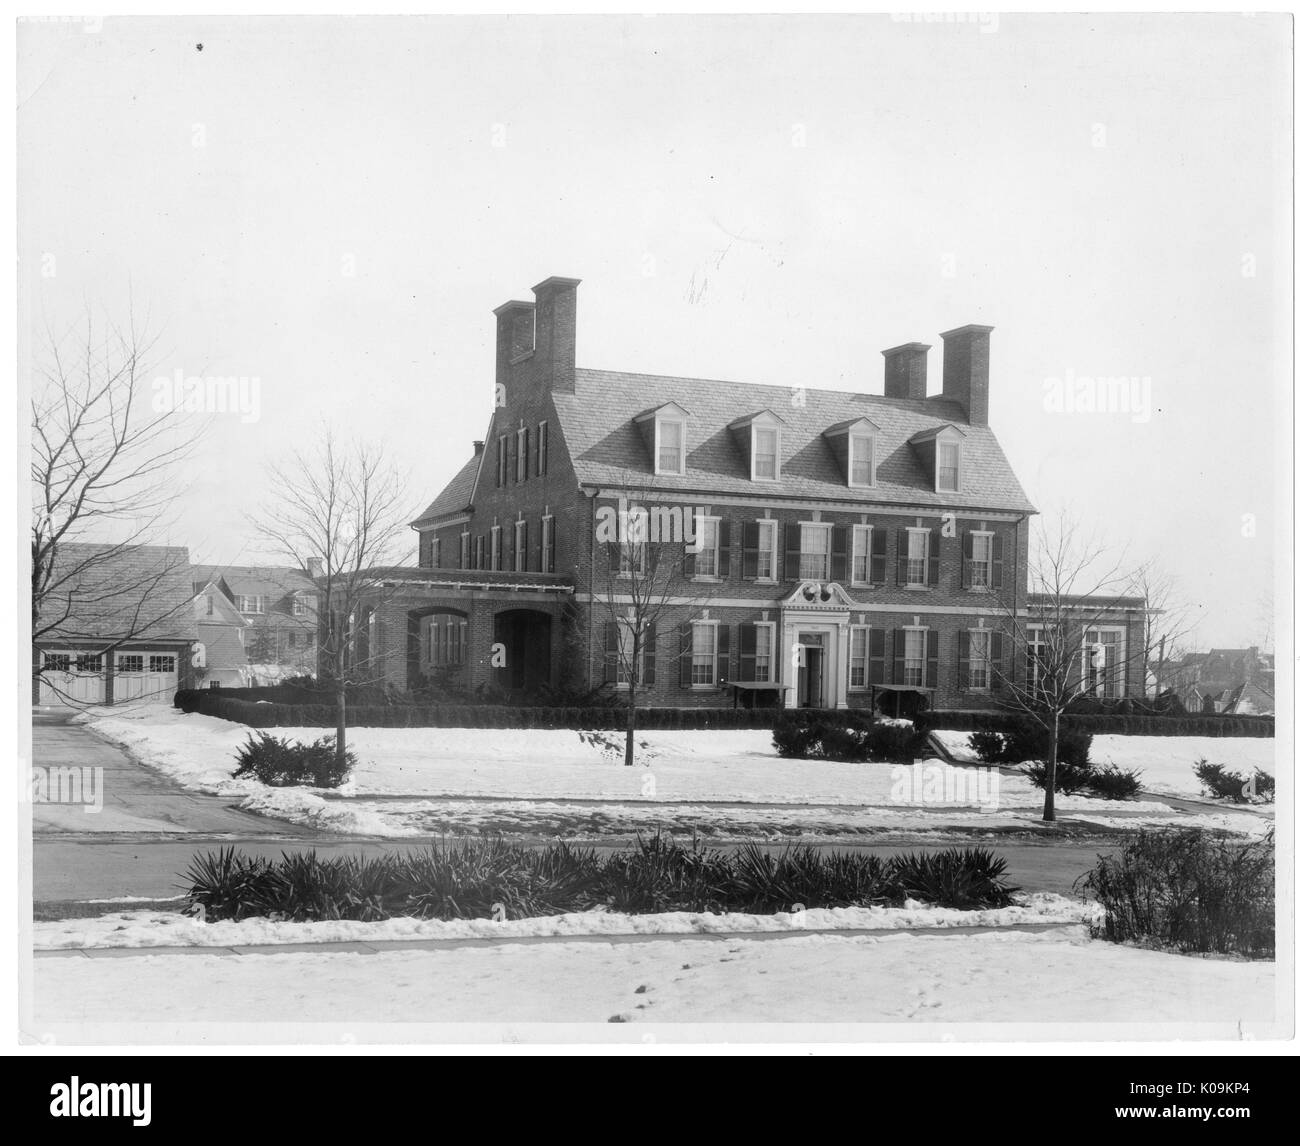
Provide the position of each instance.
(264, 714)
(1112, 724)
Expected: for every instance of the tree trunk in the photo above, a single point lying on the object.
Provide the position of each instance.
(1049, 791)
(631, 722)
(341, 730)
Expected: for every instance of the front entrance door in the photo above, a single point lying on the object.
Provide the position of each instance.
(812, 671)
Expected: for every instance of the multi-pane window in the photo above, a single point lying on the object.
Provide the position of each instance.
(503, 459)
(464, 550)
(496, 547)
(858, 656)
(861, 458)
(706, 541)
(447, 641)
(1103, 667)
(521, 454)
(543, 447)
(766, 551)
(981, 664)
(89, 662)
(949, 466)
(671, 456)
(914, 656)
(626, 643)
(765, 454)
(130, 662)
(979, 573)
(861, 555)
(1037, 659)
(435, 553)
(548, 542)
(256, 605)
(918, 554)
(763, 638)
(704, 653)
(521, 546)
(60, 662)
(814, 551)
(158, 663)
(300, 607)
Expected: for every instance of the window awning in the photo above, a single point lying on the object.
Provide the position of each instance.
(759, 685)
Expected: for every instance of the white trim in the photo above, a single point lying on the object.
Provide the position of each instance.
(713, 685)
(871, 483)
(938, 465)
(778, 602)
(770, 626)
(865, 630)
(826, 527)
(680, 423)
(778, 501)
(766, 525)
(756, 428)
(868, 531)
(700, 521)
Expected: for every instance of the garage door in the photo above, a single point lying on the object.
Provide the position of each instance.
(72, 678)
(144, 676)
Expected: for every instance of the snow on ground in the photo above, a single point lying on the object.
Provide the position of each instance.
(992, 977)
(172, 929)
(522, 780)
(1166, 762)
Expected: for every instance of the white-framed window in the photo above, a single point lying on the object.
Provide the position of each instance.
(914, 656)
(503, 459)
(859, 639)
(60, 662)
(979, 570)
(301, 606)
(254, 606)
(130, 662)
(160, 662)
(88, 662)
(706, 541)
(632, 558)
(1102, 667)
(949, 463)
(1037, 651)
(861, 572)
(521, 454)
(543, 447)
(766, 550)
(435, 553)
(981, 661)
(548, 542)
(862, 460)
(626, 640)
(766, 452)
(670, 446)
(521, 546)
(764, 644)
(918, 556)
(212, 605)
(704, 654)
(496, 547)
(814, 550)
(464, 550)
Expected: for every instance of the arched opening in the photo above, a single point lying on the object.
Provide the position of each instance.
(525, 639)
(437, 649)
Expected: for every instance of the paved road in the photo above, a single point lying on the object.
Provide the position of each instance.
(150, 829)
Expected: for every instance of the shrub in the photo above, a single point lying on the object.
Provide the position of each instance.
(1070, 778)
(282, 763)
(1218, 782)
(1186, 890)
(1114, 783)
(956, 877)
(843, 735)
(892, 741)
(991, 747)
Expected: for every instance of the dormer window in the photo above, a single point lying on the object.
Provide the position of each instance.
(671, 459)
(939, 451)
(759, 435)
(949, 467)
(854, 445)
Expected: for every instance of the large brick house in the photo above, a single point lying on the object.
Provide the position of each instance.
(846, 545)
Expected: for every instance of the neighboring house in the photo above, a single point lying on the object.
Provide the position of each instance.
(1234, 681)
(262, 619)
(846, 543)
(116, 626)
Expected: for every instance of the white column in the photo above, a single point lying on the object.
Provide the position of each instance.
(841, 666)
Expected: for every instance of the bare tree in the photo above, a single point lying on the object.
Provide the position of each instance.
(643, 579)
(338, 512)
(105, 452)
(1076, 587)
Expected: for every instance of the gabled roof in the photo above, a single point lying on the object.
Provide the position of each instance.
(456, 494)
(606, 447)
(273, 581)
(108, 592)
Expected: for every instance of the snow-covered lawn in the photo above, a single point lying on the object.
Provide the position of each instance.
(425, 780)
(993, 977)
(173, 929)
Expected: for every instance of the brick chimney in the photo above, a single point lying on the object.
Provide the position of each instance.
(557, 331)
(514, 337)
(905, 370)
(966, 370)
(478, 448)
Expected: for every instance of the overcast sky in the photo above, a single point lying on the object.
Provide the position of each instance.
(334, 206)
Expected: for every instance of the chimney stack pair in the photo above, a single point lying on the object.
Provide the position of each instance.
(965, 370)
(537, 340)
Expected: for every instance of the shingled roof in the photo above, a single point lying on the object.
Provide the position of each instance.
(272, 581)
(456, 495)
(112, 592)
(604, 444)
